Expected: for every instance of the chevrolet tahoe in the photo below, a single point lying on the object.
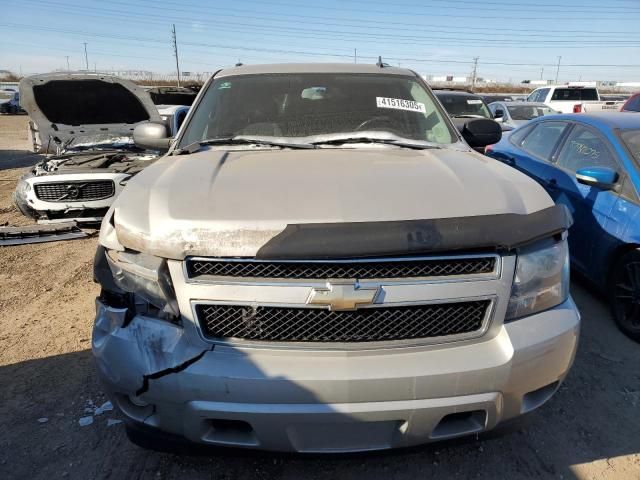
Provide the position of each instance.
(322, 263)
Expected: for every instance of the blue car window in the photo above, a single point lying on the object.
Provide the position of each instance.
(517, 136)
(585, 148)
(543, 139)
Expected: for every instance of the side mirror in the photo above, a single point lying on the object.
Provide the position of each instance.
(152, 136)
(480, 132)
(601, 177)
(499, 113)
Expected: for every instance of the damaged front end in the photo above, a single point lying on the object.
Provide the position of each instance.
(138, 337)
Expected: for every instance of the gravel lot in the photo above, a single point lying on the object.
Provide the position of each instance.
(589, 430)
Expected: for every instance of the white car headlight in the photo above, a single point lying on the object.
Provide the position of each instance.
(146, 276)
(541, 280)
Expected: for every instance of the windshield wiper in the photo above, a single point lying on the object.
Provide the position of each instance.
(195, 146)
(385, 141)
(469, 115)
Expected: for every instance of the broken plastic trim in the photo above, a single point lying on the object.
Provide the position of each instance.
(167, 371)
(501, 232)
(40, 233)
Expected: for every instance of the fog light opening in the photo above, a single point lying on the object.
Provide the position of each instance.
(534, 399)
(229, 432)
(460, 423)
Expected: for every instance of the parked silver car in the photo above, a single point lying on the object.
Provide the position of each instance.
(322, 264)
(515, 114)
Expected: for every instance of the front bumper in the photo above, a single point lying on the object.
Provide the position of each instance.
(330, 401)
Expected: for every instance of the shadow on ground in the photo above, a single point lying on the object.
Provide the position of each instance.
(18, 159)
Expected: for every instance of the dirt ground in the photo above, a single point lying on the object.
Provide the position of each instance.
(589, 430)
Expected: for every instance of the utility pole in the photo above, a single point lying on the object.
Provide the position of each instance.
(558, 69)
(355, 55)
(86, 58)
(541, 71)
(474, 74)
(175, 52)
(67, 57)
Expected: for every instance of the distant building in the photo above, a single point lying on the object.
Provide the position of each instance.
(453, 80)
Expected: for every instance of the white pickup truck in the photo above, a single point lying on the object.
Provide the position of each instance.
(572, 99)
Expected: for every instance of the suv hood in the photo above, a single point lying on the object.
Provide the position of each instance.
(70, 105)
(230, 203)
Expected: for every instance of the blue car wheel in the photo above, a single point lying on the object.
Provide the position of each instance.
(625, 294)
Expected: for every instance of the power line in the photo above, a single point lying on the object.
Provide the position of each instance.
(502, 5)
(308, 53)
(432, 27)
(392, 35)
(272, 3)
(333, 34)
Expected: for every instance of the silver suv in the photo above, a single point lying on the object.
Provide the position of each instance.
(320, 263)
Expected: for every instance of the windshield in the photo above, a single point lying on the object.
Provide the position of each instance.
(317, 104)
(575, 94)
(631, 139)
(464, 105)
(527, 112)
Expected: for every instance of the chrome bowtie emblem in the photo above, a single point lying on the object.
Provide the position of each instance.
(342, 296)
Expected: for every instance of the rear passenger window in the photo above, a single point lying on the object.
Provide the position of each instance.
(519, 135)
(543, 139)
(575, 94)
(585, 148)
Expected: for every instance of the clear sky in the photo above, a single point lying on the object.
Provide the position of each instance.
(514, 39)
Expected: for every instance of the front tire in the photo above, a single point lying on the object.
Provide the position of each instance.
(624, 294)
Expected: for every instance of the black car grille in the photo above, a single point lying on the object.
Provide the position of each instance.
(75, 191)
(373, 269)
(284, 324)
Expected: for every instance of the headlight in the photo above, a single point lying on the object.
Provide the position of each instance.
(146, 276)
(541, 280)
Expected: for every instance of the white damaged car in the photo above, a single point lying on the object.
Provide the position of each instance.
(85, 122)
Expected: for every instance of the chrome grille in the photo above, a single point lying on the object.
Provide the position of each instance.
(74, 191)
(288, 324)
(361, 269)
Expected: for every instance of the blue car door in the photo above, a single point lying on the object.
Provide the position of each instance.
(533, 152)
(591, 206)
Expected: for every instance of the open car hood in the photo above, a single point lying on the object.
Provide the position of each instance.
(66, 105)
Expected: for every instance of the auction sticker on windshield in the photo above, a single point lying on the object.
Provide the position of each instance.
(400, 104)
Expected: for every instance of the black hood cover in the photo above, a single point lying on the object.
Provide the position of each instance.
(85, 102)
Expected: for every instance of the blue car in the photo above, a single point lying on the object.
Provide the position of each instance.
(591, 163)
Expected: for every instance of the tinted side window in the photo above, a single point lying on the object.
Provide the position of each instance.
(517, 136)
(542, 140)
(586, 148)
(542, 95)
